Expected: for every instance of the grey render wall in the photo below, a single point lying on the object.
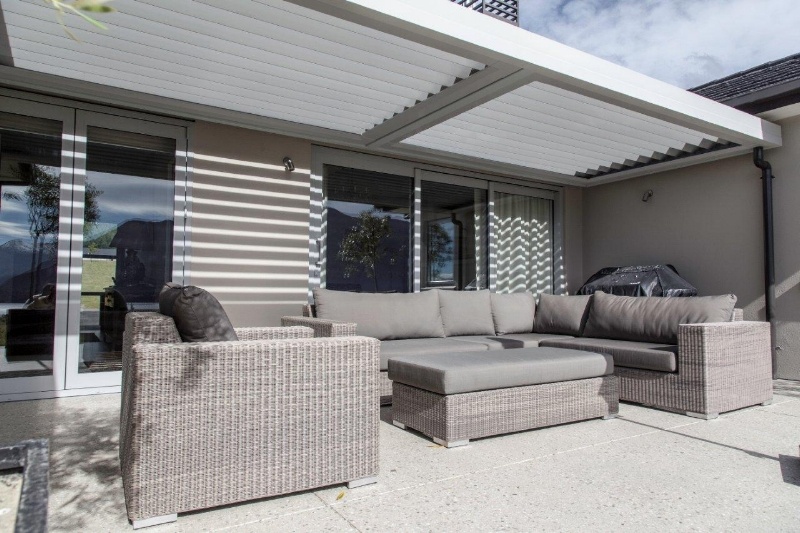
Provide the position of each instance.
(250, 222)
(707, 221)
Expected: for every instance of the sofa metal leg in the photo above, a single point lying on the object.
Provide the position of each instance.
(155, 521)
(451, 443)
(610, 416)
(399, 424)
(361, 482)
(703, 416)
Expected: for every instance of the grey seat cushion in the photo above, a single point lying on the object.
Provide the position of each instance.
(402, 347)
(630, 354)
(513, 313)
(506, 342)
(561, 315)
(383, 316)
(653, 319)
(466, 313)
(455, 373)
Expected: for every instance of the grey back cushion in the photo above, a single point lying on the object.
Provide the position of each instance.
(383, 316)
(653, 319)
(466, 313)
(562, 315)
(198, 316)
(513, 313)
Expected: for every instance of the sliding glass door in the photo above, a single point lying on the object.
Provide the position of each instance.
(128, 189)
(522, 239)
(391, 227)
(35, 185)
(91, 226)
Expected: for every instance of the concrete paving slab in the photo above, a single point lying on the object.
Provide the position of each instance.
(648, 470)
(656, 482)
(320, 520)
(408, 456)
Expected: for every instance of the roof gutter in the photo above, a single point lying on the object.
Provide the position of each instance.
(769, 243)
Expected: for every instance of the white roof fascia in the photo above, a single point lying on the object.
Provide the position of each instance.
(665, 166)
(452, 28)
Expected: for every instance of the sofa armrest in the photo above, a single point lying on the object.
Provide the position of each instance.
(730, 359)
(203, 417)
(274, 333)
(322, 327)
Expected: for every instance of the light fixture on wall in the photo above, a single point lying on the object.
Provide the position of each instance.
(288, 163)
(647, 195)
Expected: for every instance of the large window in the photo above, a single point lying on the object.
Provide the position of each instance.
(368, 230)
(454, 244)
(400, 228)
(523, 233)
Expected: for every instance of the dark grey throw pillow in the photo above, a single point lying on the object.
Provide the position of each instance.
(198, 316)
(561, 315)
(166, 298)
(655, 318)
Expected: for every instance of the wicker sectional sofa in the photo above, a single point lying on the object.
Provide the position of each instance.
(690, 355)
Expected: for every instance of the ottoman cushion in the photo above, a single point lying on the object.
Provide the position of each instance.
(455, 373)
(400, 347)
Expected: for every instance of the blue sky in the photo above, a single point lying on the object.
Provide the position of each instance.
(683, 42)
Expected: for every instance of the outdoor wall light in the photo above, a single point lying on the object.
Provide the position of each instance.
(647, 195)
(288, 163)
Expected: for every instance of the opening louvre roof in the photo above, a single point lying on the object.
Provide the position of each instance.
(562, 132)
(268, 57)
(418, 78)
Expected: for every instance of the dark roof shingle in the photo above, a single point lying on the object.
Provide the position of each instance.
(751, 80)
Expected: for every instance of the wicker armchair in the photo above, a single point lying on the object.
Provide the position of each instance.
(209, 424)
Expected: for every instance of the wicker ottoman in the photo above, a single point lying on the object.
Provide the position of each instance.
(456, 397)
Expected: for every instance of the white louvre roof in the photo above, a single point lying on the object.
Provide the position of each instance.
(559, 131)
(419, 78)
(270, 58)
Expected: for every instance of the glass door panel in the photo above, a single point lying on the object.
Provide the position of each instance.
(124, 237)
(367, 230)
(30, 181)
(523, 243)
(454, 237)
(34, 178)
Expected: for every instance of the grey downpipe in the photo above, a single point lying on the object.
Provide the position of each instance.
(769, 243)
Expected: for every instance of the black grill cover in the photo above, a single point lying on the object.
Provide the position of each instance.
(656, 280)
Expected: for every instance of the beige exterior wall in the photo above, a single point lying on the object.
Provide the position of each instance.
(706, 220)
(249, 242)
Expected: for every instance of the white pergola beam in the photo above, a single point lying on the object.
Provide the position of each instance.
(450, 27)
(477, 89)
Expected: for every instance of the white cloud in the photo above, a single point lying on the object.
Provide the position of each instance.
(683, 42)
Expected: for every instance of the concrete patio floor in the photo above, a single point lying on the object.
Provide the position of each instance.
(648, 470)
